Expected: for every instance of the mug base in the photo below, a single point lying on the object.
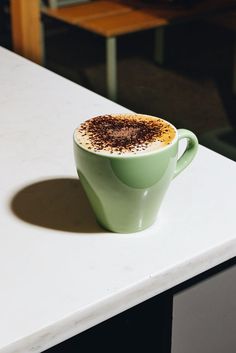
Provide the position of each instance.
(123, 230)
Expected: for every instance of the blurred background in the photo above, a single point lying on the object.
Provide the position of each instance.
(192, 87)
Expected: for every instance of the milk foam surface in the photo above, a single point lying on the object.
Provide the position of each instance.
(124, 134)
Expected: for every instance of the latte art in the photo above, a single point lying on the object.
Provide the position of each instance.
(124, 134)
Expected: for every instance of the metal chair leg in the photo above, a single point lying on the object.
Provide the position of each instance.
(159, 45)
(111, 62)
(234, 67)
(53, 4)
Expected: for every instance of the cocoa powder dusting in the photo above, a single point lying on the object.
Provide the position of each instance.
(123, 134)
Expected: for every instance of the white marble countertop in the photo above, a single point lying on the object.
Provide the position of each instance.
(59, 272)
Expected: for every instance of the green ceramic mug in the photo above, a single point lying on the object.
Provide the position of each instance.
(126, 191)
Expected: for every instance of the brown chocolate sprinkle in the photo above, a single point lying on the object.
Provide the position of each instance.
(125, 134)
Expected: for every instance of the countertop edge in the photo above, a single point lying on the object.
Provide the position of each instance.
(111, 306)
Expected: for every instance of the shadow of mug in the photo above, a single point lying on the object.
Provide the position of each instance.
(59, 204)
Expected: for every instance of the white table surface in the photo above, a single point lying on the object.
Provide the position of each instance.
(59, 272)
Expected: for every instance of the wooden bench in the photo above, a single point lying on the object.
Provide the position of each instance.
(109, 19)
(110, 27)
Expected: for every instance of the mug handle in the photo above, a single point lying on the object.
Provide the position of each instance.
(190, 150)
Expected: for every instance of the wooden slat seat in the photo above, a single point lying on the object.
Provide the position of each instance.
(74, 14)
(123, 23)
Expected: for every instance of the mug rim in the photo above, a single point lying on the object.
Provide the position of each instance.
(130, 155)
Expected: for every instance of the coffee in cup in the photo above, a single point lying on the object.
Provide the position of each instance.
(126, 134)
